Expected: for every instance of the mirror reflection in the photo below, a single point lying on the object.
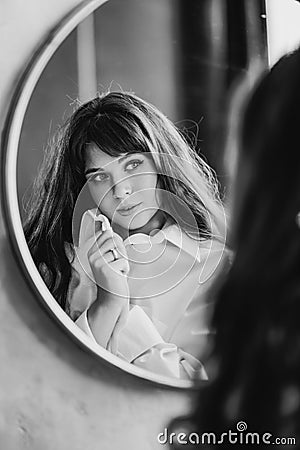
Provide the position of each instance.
(122, 212)
(146, 252)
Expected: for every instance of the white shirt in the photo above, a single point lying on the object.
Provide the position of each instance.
(170, 276)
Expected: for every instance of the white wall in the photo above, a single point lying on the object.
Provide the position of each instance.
(283, 25)
(54, 395)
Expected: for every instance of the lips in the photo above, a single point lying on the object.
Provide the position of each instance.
(128, 209)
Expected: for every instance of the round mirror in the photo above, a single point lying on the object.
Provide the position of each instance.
(136, 52)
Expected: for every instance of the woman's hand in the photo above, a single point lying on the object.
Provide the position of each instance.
(107, 314)
(110, 274)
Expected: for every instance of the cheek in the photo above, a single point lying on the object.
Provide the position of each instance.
(147, 181)
(100, 195)
(148, 185)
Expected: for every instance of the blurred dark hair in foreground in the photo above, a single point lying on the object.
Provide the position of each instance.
(255, 360)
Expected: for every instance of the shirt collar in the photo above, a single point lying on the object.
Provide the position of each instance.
(171, 233)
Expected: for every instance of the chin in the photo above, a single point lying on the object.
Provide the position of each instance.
(139, 221)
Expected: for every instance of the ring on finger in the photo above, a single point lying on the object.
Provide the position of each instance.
(114, 253)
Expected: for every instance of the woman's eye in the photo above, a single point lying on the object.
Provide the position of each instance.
(134, 164)
(100, 177)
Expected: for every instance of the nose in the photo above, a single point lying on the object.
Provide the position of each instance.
(122, 188)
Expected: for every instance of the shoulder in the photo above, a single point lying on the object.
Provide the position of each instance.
(215, 260)
(213, 248)
(194, 244)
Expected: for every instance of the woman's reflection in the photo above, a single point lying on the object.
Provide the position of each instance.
(137, 277)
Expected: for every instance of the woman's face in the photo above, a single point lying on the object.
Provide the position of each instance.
(123, 187)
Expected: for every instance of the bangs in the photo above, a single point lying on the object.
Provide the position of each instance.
(116, 135)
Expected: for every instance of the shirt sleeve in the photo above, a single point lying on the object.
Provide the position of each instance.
(82, 290)
(176, 351)
(179, 353)
(141, 344)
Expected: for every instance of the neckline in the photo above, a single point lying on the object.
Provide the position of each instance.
(147, 237)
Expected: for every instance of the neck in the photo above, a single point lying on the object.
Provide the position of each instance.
(157, 221)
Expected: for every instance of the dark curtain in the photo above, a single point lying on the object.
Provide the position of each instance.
(218, 38)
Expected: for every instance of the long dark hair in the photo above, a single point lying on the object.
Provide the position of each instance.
(117, 123)
(255, 359)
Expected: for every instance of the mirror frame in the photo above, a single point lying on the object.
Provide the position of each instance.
(10, 146)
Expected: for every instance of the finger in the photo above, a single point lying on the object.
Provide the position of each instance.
(118, 240)
(105, 249)
(120, 265)
(97, 260)
(115, 242)
(90, 241)
(98, 240)
(107, 246)
(119, 244)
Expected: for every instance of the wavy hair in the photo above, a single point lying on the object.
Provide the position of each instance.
(117, 122)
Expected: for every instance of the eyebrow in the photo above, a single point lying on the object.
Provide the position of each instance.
(100, 169)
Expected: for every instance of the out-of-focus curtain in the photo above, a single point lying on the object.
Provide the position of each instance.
(218, 38)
